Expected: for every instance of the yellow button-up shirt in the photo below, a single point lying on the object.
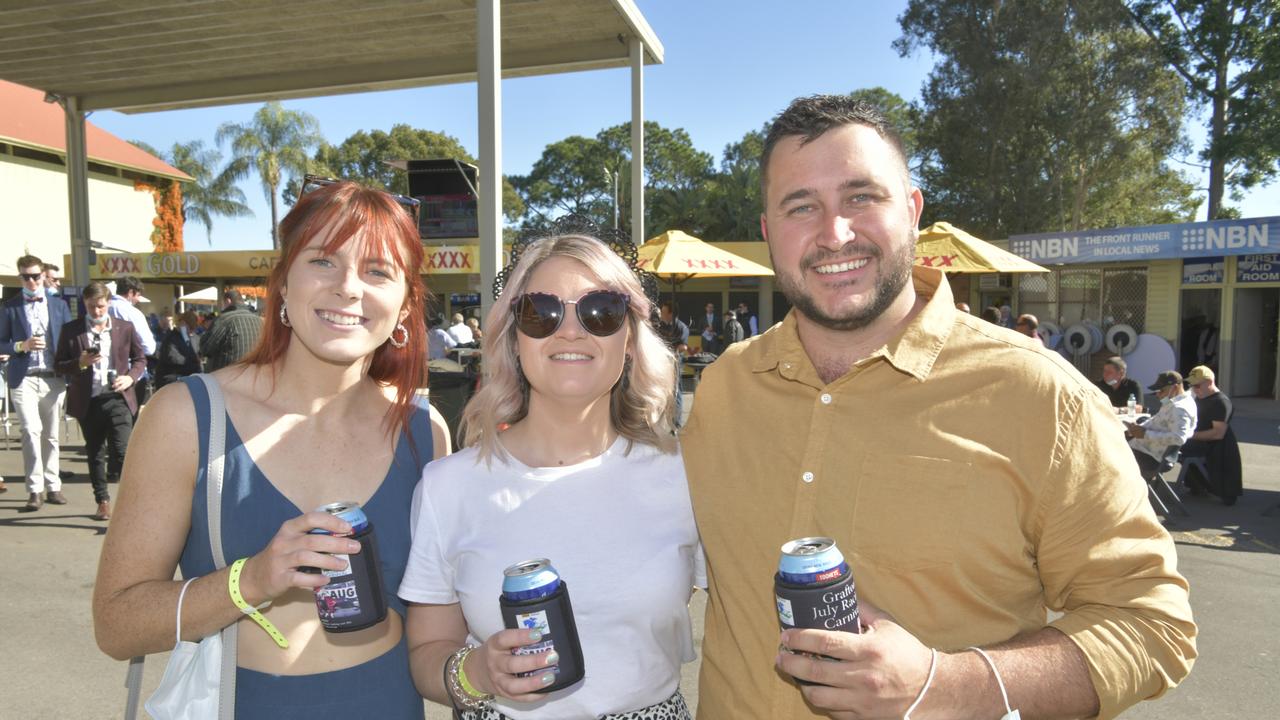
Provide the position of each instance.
(973, 481)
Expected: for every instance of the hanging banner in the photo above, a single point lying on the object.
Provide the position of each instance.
(1151, 242)
(438, 260)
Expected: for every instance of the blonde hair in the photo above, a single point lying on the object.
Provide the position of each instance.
(642, 403)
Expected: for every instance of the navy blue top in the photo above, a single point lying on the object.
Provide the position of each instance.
(253, 510)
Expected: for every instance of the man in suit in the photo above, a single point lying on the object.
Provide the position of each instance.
(30, 323)
(104, 360)
(709, 319)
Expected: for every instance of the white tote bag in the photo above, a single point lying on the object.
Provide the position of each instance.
(189, 688)
(199, 683)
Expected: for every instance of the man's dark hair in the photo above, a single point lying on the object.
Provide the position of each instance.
(811, 117)
(128, 284)
(1029, 320)
(666, 305)
(51, 266)
(991, 314)
(28, 261)
(95, 291)
(233, 296)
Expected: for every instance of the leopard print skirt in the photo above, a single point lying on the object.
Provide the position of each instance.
(673, 708)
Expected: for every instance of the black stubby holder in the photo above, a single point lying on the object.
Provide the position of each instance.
(830, 606)
(360, 588)
(559, 632)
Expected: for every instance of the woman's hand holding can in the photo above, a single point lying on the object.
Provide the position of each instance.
(496, 668)
(277, 568)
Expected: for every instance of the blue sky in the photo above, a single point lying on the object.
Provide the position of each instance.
(730, 66)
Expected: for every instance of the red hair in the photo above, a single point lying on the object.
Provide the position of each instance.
(385, 228)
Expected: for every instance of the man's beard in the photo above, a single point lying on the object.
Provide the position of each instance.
(892, 275)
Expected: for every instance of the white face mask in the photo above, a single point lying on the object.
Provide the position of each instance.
(1113, 383)
(99, 320)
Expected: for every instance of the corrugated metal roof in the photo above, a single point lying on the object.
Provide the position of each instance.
(31, 122)
(145, 55)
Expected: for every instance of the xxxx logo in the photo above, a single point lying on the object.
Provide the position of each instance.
(710, 264)
(119, 265)
(449, 259)
(937, 260)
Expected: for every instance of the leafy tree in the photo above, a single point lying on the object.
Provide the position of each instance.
(274, 143)
(575, 175)
(1228, 54)
(211, 192)
(1043, 114)
(732, 206)
(363, 157)
(569, 178)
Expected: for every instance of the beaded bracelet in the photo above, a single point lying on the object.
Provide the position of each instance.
(459, 688)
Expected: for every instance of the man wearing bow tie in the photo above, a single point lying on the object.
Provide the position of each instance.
(29, 326)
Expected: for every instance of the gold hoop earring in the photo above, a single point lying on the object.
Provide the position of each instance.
(284, 316)
(401, 343)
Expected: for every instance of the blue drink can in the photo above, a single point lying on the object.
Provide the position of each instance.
(530, 580)
(354, 598)
(534, 597)
(349, 511)
(812, 561)
(814, 587)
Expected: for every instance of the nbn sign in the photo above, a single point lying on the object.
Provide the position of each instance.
(1055, 247)
(1234, 237)
(1149, 242)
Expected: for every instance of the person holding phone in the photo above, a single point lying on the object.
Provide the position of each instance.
(102, 359)
(30, 324)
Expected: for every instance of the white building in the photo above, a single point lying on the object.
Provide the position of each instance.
(34, 217)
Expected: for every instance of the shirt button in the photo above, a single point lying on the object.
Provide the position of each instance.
(826, 398)
(807, 477)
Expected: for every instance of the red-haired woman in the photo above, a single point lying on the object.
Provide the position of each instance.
(321, 411)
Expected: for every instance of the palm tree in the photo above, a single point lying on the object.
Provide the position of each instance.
(275, 142)
(208, 194)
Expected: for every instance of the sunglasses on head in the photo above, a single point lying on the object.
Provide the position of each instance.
(600, 312)
(31, 277)
(312, 182)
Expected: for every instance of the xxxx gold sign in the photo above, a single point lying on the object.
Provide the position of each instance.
(459, 260)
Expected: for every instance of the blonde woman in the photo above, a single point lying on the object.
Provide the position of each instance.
(570, 456)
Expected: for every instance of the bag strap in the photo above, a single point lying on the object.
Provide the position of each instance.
(213, 515)
(213, 506)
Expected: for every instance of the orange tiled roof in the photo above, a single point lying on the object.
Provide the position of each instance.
(30, 121)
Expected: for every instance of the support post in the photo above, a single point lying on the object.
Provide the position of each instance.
(637, 141)
(489, 99)
(77, 192)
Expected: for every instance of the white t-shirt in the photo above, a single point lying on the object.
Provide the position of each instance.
(619, 529)
(462, 333)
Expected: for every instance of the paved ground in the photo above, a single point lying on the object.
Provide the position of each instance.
(52, 669)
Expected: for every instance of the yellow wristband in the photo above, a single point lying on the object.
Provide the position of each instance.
(467, 687)
(233, 587)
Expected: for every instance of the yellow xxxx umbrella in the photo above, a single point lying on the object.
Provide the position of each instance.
(948, 248)
(678, 256)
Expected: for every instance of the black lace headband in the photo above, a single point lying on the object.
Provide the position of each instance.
(617, 241)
